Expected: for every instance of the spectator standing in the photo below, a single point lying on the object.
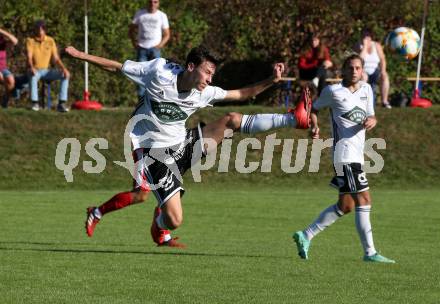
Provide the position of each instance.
(41, 49)
(314, 63)
(6, 77)
(149, 33)
(375, 66)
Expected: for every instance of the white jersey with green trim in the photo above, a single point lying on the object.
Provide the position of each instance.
(348, 111)
(166, 108)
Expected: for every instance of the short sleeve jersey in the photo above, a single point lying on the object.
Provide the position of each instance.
(150, 27)
(42, 51)
(164, 110)
(348, 111)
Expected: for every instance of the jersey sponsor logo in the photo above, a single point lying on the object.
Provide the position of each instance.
(168, 111)
(356, 115)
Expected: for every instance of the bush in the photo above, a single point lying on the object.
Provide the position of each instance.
(242, 30)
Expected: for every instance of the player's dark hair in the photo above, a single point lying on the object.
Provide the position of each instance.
(351, 57)
(199, 54)
(40, 24)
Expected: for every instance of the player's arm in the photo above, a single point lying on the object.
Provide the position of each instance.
(103, 63)
(256, 88)
(9, 36)
(324, 100)
(314, 128)
(371, 121)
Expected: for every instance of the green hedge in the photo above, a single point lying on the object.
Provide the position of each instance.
(28, 143)
(258, 32)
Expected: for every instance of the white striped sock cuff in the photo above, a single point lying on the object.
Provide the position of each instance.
(366, 208)
(337, 210)
(246, 123)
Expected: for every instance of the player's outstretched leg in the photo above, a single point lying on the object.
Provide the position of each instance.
(91, 221)
(303, 238)
(299, 118)
(119, 201)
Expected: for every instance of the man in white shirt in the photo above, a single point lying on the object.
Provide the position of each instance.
(351, 113)
(163, 148)
(149, 32)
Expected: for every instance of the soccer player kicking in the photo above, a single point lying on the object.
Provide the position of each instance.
(171, 94)
(352, 113)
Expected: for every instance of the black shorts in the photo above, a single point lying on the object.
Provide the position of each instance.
(354, 179)
(162, 169)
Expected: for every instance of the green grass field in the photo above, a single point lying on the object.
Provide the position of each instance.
(237, 226)
(239, 249)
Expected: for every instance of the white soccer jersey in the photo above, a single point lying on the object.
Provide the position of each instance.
(348, 113)
(166, 108)
(150, 27)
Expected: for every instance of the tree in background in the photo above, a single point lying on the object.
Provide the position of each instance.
(252, 31)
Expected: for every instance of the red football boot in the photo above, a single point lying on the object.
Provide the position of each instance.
(91, 221)
(302, 110)
(160, 235)
(173, 243)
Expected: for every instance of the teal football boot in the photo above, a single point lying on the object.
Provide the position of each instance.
(302, 243)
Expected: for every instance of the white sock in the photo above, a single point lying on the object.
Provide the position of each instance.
(264, 122)
(363, 226)
(160, 222)
(97, 213)
(325, 219)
